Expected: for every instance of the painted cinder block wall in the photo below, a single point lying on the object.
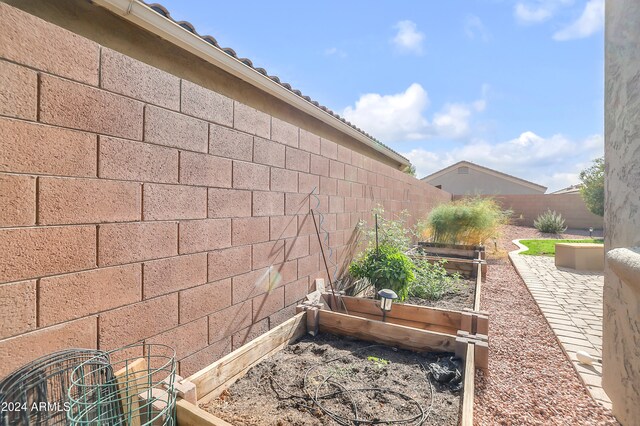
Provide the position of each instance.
(139, 206)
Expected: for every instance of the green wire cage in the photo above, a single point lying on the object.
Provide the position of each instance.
(130, 386)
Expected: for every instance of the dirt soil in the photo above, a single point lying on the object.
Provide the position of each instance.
(454, 301)
(272, 393)
(530, 380)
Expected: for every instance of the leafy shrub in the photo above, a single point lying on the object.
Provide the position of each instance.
(550, 222)
(432, 281)
(386, 267)
(467, 221)
(592, 189)
(391, 232)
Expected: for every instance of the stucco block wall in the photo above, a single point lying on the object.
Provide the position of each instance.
(527, 207)
(137, 205)
(621, 338)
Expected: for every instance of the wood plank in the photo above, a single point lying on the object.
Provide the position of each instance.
(479, 274)
(467, 322)
(483, 325)
(386, 333)
(405, 311)
(238, 362)
(466, 418)
(407, 323)
(191, 415)
(132, 379)
(481, 354)
(312, 321)
(468, 251)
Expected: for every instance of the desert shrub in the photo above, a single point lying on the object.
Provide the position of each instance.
(550, 222)
(467, 221)
(432, 281)
(391, 232)
(386, 267)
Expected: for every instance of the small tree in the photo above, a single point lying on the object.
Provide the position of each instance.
(411, 170)
(592, 189)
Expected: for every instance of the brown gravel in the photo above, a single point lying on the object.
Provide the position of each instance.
(530, 380)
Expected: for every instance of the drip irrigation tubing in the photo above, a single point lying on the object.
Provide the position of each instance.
(315, 397)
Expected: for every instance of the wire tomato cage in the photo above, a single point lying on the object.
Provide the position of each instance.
(37, 393)
(132, 386)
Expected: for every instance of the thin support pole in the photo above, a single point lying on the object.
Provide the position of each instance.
(377, 249)
(326, 266)
(324, 259)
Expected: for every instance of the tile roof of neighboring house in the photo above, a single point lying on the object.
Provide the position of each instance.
(485, 169)
(569, 189)
(229, 51)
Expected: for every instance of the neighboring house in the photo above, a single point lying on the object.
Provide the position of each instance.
(466, 178)
(573, 189)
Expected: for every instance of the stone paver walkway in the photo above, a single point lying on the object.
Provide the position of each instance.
(571, 301)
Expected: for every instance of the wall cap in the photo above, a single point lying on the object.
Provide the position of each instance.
(625, 263)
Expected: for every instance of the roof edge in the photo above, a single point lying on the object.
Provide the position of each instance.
(144, 16)
(486, 169)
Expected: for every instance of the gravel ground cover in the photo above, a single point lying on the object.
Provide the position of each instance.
(530, 380)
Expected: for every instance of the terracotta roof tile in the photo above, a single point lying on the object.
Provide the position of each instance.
(158, 8)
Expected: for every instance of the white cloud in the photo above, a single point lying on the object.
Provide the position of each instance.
(401, 116)
(475, 29)
(554, 161)
(532, 14)
(452, 121)
(391, 117)
(408, 39)
(535, 12)
(334, 51)
(591, 21)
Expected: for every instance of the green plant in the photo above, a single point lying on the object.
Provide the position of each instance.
(592, 189)
(386, 267)
(550, 222)
(548, 247)
(411, 170)
(391, 232)
(466, 221)
(378, 362)
(432, 281)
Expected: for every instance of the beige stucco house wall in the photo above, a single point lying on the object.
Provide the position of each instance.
(466, 178)
(621, 333)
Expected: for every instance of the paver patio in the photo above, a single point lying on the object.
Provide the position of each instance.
(571, 301)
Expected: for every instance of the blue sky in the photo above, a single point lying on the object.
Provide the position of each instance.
(512, 85)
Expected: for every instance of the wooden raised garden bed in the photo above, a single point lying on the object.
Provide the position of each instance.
(428, 330)
(459, 258)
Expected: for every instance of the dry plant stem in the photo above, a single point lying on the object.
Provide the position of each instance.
(315, 224)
